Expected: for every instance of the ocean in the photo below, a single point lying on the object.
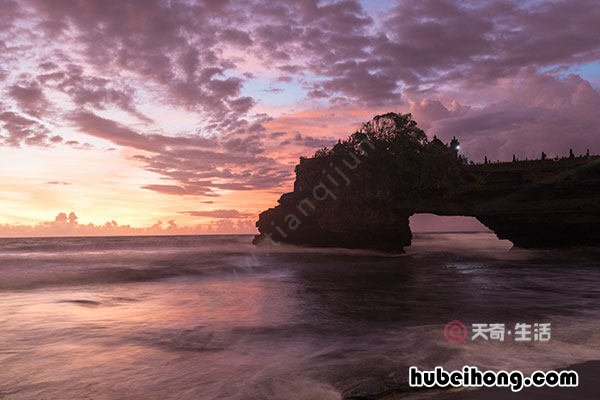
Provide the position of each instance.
(213, 317)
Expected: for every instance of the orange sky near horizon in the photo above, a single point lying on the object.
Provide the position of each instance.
(105, 184)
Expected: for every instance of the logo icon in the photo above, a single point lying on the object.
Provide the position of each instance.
(455, 332)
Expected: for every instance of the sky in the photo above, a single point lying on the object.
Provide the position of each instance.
(183, 117)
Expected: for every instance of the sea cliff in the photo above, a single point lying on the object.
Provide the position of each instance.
(361, 193)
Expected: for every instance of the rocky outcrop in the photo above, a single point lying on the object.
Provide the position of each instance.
(541, 203)
(361, 193)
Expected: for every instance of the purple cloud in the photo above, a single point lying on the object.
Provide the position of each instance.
(197, 165)
(539, 113)
(16, 129)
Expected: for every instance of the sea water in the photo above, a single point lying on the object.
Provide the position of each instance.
(213, 317)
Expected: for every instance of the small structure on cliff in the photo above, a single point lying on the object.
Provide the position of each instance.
(361, 193)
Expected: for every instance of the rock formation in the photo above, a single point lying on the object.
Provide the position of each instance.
(361, 193)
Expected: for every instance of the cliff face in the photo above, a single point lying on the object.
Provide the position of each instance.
(361, 193)
(541, 203)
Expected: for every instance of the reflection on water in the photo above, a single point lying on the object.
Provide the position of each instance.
(215, 318)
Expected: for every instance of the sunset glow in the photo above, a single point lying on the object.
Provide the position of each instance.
(189, 117)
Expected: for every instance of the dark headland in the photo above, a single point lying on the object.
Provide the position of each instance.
(361, 193)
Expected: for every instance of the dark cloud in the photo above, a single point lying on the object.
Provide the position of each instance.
(237, 37)
(478, 42)
(168, 44)
(30, 97)
(16, 129)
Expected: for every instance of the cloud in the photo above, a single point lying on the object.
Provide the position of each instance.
(236, 37)
(59, 183)
(438, 42)
(114, 132)
(183, 46)
(539, 112)
(85, 90)
(493, 73)
(100, 54)
(16, 129)
(30, 96)
(197, 165)
(427, 45)
(67, 224)
(218, 214)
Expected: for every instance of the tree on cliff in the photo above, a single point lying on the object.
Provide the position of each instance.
(397, 159)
